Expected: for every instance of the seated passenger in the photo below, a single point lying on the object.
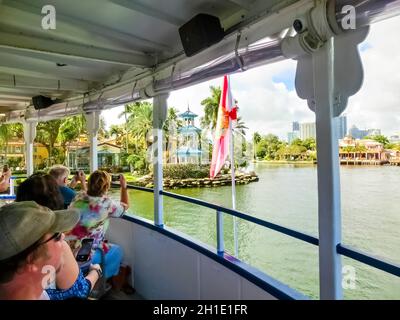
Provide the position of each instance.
(31, 248)
(96, 208)
(5, 179)
(61, 173)
(70, 281)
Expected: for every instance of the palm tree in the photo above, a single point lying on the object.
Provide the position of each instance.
(140, 122)
(118, 131)
(211, 109)
(47, 134)
(240, 126)
(5, 135)
(171, 126)
(70, 129)
(256, 140)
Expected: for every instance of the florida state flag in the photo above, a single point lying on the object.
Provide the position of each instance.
(227, 113)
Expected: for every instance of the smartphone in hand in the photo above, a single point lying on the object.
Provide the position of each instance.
(84, 252)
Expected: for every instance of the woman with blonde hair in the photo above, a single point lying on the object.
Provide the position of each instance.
(96, 208)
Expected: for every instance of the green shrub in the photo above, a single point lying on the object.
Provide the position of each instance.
(186, 171)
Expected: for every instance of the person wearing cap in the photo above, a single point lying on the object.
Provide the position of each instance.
(31, 248)
(71, 281)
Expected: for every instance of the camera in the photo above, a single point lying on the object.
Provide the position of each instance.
(115, 177)
(5, 168)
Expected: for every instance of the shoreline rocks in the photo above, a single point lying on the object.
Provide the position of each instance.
(220, 180)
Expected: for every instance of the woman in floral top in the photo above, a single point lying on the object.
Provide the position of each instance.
(96, 208)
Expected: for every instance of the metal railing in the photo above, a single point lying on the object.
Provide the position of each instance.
(341, 249)
(11, 194)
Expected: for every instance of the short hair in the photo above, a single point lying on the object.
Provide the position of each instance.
(10, 266)
(98, 183)
(57, 171)
(43, 189)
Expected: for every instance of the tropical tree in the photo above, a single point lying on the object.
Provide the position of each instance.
(268, 147)
(102, 133)
(70, 129)
(309, 144)
(240, 126)
(171, 127)
(118, 131)
(211, 104)
(47, 134)
(140, 123)
(379, 138)
(393, 146)
(8, 131)
(256, 137)
(5, 136)
(256, 141)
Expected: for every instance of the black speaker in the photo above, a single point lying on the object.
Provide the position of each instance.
(202, 31)
(42, 102)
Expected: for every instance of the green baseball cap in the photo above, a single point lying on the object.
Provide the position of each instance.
(24, 223)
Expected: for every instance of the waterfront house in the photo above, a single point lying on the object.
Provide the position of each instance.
(13, 154)
(361, 151)
(109, 155)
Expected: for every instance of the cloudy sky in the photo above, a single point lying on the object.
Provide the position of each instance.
(268, 101)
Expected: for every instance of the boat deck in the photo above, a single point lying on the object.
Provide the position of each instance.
(121, 295)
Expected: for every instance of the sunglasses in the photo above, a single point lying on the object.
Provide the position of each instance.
(57, 237)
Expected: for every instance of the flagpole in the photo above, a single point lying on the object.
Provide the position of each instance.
(231, 146)
(235, 238)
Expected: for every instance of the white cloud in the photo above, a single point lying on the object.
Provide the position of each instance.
(270, 107)
(377, 105)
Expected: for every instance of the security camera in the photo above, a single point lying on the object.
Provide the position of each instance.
(300, 25)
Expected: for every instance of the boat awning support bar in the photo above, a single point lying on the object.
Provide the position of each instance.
(329, 210)
(93, 124)
(29, 136)
(159, 116)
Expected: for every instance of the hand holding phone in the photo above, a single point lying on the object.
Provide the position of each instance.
(85, 250)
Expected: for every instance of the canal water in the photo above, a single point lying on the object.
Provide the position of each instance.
(287, 195)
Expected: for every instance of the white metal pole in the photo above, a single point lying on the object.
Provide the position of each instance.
(93, 124)
(233, 180)
(235, 238)
(29, 136)
(329, 211)
(159, 115)
(12, 191)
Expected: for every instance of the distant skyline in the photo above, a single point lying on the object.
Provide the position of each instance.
(268, 102)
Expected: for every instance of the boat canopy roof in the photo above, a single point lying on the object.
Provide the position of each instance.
(101, 44)
(103, 53)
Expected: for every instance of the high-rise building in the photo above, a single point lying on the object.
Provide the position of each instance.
(307, 130)
(293, 136)
(395, 138)
(340, 125)
(295, 126)
(374, 132)
(357, 133)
